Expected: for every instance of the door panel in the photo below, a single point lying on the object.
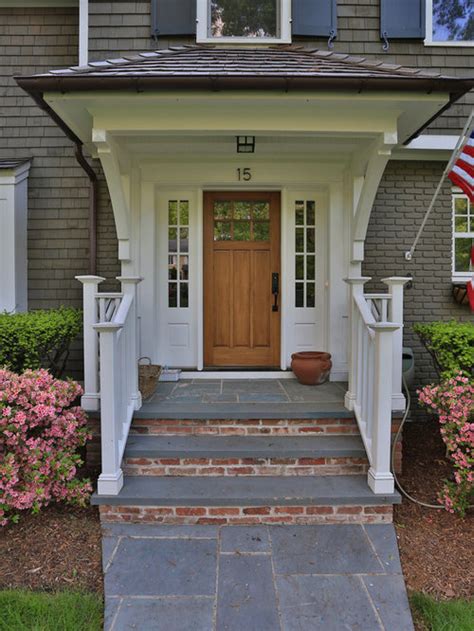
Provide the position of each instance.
(241, 251)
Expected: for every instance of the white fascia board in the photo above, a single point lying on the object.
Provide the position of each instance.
(427, 147)
(17, 4)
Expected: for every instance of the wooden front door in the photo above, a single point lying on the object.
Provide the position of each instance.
(241, 272)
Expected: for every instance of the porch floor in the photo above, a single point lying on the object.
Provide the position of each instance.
(245, 399)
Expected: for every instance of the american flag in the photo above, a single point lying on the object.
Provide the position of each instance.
(462, 173)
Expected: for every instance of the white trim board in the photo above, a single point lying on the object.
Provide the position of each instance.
(238, 374)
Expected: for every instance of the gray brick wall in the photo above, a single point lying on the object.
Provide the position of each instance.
(122, 27)
(402, 199)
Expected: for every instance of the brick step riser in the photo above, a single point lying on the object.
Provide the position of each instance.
(245, 466)
(244, 427)
(309, 515)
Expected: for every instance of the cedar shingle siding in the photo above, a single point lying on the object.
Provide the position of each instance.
(36, 40)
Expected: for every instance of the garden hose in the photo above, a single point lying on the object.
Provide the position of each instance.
(394, 446)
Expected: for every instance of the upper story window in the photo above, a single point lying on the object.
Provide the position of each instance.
(265, 21)
(463, 236)
(450, 23)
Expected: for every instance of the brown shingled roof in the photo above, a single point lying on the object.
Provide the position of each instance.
(194, 66)
(197, 60)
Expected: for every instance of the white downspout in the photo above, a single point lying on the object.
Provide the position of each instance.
(83, 32)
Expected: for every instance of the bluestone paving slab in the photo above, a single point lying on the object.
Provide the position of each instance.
(237, 539)
(326, 603)
(246, 594)
(338, 549)
(159, 531)
(166, 614)
(108, 547)
(384, 539)
(388, 593)
(110, 611)
(163, 567)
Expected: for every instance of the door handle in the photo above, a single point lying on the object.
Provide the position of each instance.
(275, 290)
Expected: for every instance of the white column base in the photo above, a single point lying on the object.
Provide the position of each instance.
(90, 401)
(381, 483)
(110, 483)
(137, 400)
(399, 402)
(349, 400)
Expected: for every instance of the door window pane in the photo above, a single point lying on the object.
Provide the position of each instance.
(261, 210)
(173, 240)
(242, 231)
(172, 213)
(261, 231)
(299, 268)
(242, 210)
(222, 231)
(223, 210)
(244, 18)
(299, 302)
(299, 240)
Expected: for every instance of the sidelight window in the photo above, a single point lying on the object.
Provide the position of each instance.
(178, 253)
(305, 253)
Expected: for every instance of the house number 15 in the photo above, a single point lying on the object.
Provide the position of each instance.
(244, 175)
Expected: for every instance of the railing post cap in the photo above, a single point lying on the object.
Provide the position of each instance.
(357, 280)
(130, 279)
(107, 327)
(92, 280)
(397, 280)
(385, 327)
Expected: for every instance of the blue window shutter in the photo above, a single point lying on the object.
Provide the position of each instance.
(402, 19)
(316, 18)
(173, 17)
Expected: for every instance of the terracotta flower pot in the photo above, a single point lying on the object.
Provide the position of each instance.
(311, 368)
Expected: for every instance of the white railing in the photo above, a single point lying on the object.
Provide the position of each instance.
(375, 371)
(111, 370)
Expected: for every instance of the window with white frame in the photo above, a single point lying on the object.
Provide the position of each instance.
(463, 236)
(266, 21)
(450, 22)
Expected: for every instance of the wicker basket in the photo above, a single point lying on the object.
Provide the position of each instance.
(148, 377)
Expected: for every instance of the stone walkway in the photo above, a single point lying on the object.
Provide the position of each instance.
(253, 578)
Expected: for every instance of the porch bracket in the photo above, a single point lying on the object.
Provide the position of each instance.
(108, 154)
(365, 190)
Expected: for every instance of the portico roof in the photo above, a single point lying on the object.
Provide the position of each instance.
(201, 67)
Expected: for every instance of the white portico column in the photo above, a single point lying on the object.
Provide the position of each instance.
(91, 397)
(356, 287)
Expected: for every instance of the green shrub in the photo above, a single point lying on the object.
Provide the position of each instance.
(451, 345)
(38, 339)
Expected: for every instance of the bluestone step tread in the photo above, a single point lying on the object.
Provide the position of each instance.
(246, 491)
(242, 411)
(139, 446)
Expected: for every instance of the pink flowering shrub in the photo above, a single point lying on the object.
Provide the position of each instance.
(453, 401)
(40, 434)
